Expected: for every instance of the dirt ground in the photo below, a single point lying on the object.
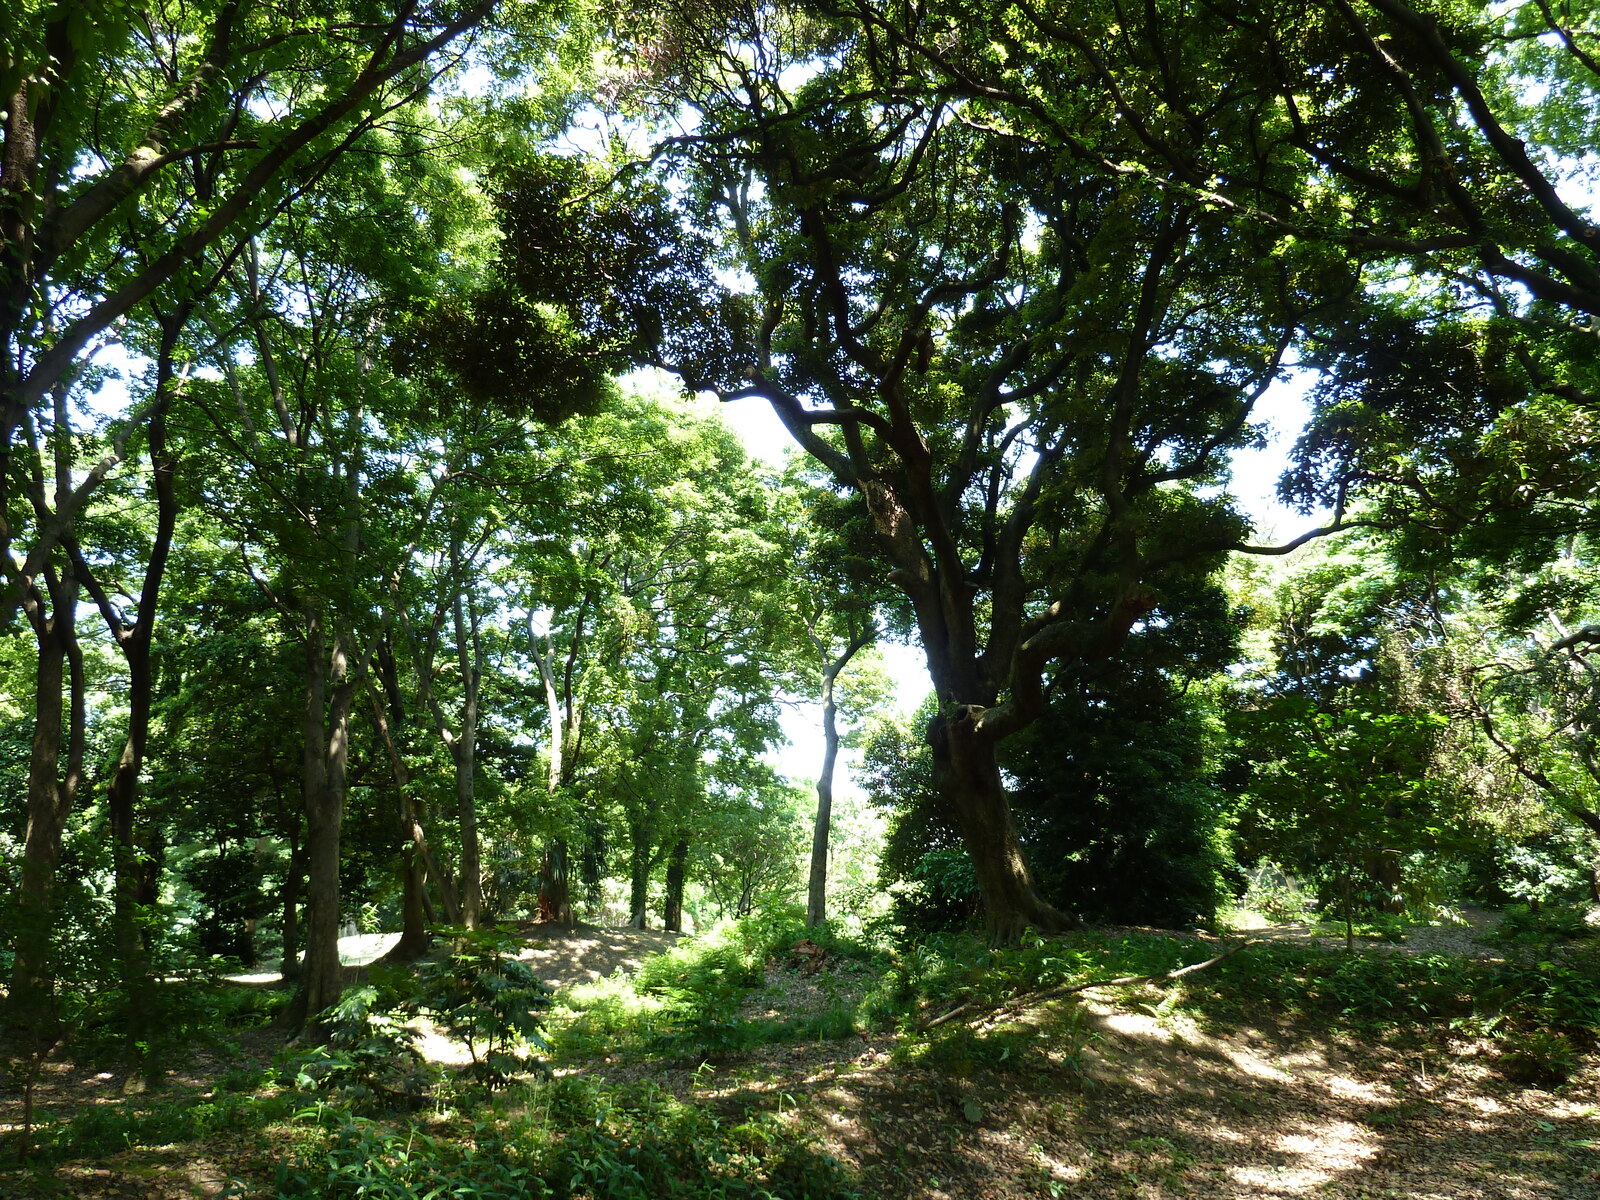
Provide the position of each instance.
(1113, 1099)
(579, 953)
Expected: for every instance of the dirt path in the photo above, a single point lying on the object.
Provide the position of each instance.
(564, 955)
(1465, 939)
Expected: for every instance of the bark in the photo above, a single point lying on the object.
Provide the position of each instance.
(967, 773)
(639, 864)
(58, 680)
(469, 656)
(555, 874)
(817, 889)
(414, 937)
(331, 684)
(422, 858)
(555, 884)
(132, 864)
(293, 881)
(677, 875)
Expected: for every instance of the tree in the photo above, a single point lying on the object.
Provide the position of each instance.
(222, 117)
(1026, 363)
(839, 608)
(1341, 730)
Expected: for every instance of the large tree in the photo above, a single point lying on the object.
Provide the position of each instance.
(1031, 366)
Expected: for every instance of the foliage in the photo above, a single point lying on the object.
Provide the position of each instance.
(576, 1139)
(697, 998)
(483, 995)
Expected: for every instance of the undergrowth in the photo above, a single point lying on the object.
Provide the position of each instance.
(574, 1138)
(347, 1121)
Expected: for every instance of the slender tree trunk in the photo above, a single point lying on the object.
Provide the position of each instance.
(968, 775)
(469, 654)
(555, 874)
(129, 871)
(58, 681)
(677, 875)
(414, 939)
(817, 890)
(292, 885)
(817, 885)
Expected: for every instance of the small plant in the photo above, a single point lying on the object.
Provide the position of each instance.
(1277, 895)
(1542, 1058)
(371, 1053)
(1528, 925)
(488, 999)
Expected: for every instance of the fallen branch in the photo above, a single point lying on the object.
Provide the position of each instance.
(1018, 1003)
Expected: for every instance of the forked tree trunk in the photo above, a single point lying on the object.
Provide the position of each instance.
(133, 865)
(967, 774)
(416, 860)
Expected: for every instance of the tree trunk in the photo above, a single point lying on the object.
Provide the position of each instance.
(292, 880)
(677, 874)
(132, 866)
(58, 677)
(330, 693)
(639, 884)
(555, 884)
(968, 776)
(817, 891)
(555, 874)
(414, 938)
(128, 872)
(469, 658)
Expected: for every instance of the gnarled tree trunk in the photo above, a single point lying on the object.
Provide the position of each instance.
(967, 772)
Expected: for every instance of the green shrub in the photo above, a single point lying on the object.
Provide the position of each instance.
(485, 997)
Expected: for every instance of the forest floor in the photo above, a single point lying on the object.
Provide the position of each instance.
(1110, 1093)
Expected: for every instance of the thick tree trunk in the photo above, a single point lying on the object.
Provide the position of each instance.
(639, 883)
(968, 775)
(677, 875)
(414, 938)
(555, 884)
